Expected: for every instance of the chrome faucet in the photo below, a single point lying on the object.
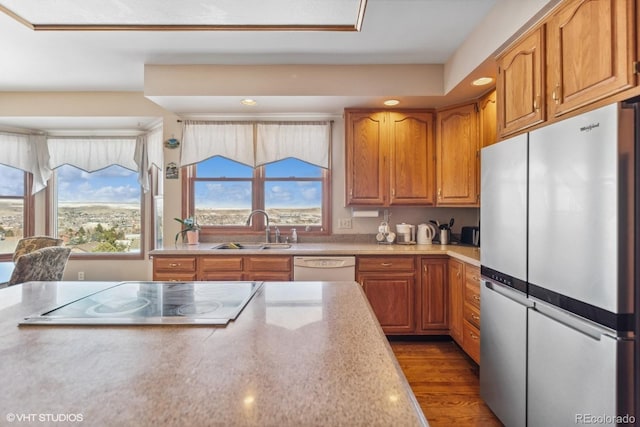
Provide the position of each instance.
(267, 231)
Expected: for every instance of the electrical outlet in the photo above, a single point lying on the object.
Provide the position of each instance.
(80, 275)
(344, 223)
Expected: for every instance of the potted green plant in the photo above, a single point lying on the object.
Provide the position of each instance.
(190, 228)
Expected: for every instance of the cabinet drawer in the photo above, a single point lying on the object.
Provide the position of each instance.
(472, 274)
(472, 294)
(472, 314)
(471, 341)
(175, 264)
(174, 277)
(267, 263)
(395, 263)
(220, 263)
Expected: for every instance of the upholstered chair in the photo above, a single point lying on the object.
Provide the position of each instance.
(46, 264)
(30, 244)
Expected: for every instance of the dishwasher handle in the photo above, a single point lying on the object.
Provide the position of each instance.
(324, 262)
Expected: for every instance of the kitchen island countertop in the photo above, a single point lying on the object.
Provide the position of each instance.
(469, 254)
(306, 353)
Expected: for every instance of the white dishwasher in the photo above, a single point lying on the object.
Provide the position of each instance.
(324, 268)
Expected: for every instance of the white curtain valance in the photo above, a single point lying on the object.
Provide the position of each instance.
(148, 153)
(307, 141)
(202, 140)
(93, 153)
(28, 153)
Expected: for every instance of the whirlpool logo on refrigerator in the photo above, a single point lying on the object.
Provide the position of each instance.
(590, 127)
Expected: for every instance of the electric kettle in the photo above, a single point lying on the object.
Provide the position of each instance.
(425, 234)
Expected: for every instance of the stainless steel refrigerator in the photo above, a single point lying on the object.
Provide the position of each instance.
(580, 363)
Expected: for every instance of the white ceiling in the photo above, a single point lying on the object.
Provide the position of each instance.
(393, 32)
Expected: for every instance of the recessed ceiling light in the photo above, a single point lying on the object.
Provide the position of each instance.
(248, 101)
(391, 102)
(482, 81)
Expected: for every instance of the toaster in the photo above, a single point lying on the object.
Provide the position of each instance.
(470, 236)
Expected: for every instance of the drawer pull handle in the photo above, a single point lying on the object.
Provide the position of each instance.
(476, 279)
(386, 264)
(474, 336)
(476, 297)
(474, 317)
(174, 264)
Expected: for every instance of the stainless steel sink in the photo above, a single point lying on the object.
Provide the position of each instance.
(251, 246)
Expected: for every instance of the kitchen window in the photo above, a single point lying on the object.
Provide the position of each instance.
(96, 196)
(16, 209)
(98, 212)
(293, 193)
(233, 168)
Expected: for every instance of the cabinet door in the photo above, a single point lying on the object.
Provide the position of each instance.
(412, 174)
(488, 119)
(220, 268)
(456, 299)
(457, 156)
(268, 268)
(366, 148)
(520, 84)
(589, 52)
(267, 276)
(433, 295)
(391, 296)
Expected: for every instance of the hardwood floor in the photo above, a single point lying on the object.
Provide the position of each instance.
(445, 382)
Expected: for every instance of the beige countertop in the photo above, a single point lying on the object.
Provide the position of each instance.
(469, 254)
(299, 354)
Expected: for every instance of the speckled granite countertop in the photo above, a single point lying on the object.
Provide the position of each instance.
(469, 254)
(300, 354)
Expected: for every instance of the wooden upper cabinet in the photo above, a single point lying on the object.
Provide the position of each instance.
(412, 175)
(488, 121)
(520, 84)
(389, 158)
(590, 52)
(366, 145)
(457, 156)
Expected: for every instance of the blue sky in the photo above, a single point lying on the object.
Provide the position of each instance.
(116, 184)
(279, 194)
(11, 181)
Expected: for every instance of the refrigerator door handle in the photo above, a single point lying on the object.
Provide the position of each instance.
(573, 322)
(507, 292)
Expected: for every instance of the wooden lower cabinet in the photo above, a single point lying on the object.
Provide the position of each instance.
(390, 286)
(456, 299)
(464, 322)
(223, 267)
(220, 268)
(471, 312)
(432, 303)
(174, 269)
